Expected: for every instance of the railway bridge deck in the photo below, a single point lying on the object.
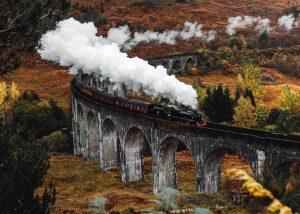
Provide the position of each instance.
(116, 138)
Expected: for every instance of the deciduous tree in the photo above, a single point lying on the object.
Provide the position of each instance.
(244, 114)
(290, 100)
(250, 78)
(8, 96)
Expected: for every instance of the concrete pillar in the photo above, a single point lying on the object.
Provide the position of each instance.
(75, 127)
(170, 64)
(133, 159)
(182, 62)
(165, 175)
(261, 159)
(109, 146)
(93, 137)
(200, 172)
(212, 172)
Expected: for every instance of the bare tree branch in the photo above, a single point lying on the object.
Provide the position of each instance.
(19, 16)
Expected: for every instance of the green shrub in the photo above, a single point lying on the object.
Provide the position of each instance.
(252, 43)
(274, 115)
(122, 23)
(159, 30)
(57, 141)
(286, 63)
(38, 118)
(22, 172)
(235, 41)
(101, 21)
(263, 39)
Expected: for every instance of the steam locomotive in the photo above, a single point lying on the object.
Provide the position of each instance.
(157, 111)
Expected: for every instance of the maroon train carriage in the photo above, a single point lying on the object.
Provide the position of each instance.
(157, 111)
(104, 98)
(132, 105)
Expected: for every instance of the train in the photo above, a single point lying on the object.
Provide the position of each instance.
(187, 116)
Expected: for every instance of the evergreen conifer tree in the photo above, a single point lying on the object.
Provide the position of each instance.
(22, 170)
(249, 94)
(218, 105)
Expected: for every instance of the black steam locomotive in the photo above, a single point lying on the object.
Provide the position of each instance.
(157, 111)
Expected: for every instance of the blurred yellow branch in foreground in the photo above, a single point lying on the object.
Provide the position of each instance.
(255, 189)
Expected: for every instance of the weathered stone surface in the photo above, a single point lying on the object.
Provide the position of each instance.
(169, 61)
(115, 138)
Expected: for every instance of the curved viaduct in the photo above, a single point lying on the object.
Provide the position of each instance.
(181, 62)
(116, 138)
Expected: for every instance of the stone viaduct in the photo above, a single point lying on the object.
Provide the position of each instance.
(116, 138)
(178, 62)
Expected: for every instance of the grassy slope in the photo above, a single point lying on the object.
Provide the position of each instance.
(78, 181)
(47, 79)
(212, 14)
(50, 80)
(272, 91)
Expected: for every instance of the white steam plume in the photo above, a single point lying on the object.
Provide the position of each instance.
(191, 30)
(240, 22)
(211, 35)
(287, 21)
(121, 35)
(76, 45)
(263, 25)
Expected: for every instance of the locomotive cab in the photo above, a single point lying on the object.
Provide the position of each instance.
(158, 111)
(200, 122)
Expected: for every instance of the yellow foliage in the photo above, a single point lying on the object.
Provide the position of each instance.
(244, 42)
(250, 77)
(255, 189)
(3, 92)
(201, 92)
(8, 95)
(290, 100)
(245, 114)
(14, 93)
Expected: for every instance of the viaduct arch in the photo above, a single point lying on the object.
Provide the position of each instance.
(116, 138)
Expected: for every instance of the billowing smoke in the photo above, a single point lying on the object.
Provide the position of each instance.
(211, 35)
(76, 45)
(263, 25)
(119, 35)
(287, 21)
(167, 37)
(189, 31)
(241, 22)
(122, 35)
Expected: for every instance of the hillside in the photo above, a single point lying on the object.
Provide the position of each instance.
(47, 79)
(78, 181)
(50, 80)
(212, 14)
